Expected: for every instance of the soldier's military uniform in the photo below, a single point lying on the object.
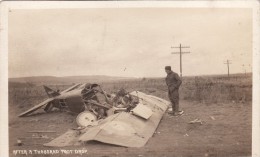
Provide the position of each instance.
(173, 82)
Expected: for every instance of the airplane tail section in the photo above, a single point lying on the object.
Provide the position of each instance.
(51, 93)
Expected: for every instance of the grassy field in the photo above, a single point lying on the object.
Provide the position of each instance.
(222, 103)
(214, 89)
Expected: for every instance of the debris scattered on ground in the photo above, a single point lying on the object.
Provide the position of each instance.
(41, 131)
(36, 137)
(40, 137)
(212, 118)
(19, 142)
(186, 135)
(44, 136)
(195, 121)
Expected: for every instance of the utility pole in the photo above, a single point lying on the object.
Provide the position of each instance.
(228, 62)
(180, 47)
(244, 68)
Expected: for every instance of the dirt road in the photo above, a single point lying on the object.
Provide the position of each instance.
(225, 131)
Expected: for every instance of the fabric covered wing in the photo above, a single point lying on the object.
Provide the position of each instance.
(36, 107)
(126, 129)
(123, 129)
(71, 88)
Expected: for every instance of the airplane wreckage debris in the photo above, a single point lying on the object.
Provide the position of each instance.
(124, 119)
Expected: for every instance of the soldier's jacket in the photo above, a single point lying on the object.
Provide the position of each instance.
(173, 81)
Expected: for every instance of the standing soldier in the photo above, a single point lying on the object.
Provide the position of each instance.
(173, 82)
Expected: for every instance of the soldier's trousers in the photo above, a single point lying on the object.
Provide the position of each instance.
(174, 98)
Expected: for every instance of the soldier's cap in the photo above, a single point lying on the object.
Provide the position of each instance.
(168, 68)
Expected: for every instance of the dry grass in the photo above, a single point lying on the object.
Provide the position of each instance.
(218, 89)
(228, 133)
(204, 89)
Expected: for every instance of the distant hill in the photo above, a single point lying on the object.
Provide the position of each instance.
(67, 79)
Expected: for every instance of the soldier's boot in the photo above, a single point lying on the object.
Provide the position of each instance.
(179, 113)
(176, 111)
(171, 110)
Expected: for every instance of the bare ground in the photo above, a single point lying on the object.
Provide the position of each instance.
(225, 131)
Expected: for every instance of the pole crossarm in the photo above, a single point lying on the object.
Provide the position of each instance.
(180, 52)
(227, 63)
(181, 47)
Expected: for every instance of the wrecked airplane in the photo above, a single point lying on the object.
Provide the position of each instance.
(124, 119)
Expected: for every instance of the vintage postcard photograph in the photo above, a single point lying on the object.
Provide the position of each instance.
(134, 79)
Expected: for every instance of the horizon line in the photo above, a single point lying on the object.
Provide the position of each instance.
(133, 77)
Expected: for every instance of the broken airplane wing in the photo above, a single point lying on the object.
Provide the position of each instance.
(124, 128)
(36, 107)
(52, 97)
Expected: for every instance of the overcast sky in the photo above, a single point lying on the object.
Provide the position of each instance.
(128, 42)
